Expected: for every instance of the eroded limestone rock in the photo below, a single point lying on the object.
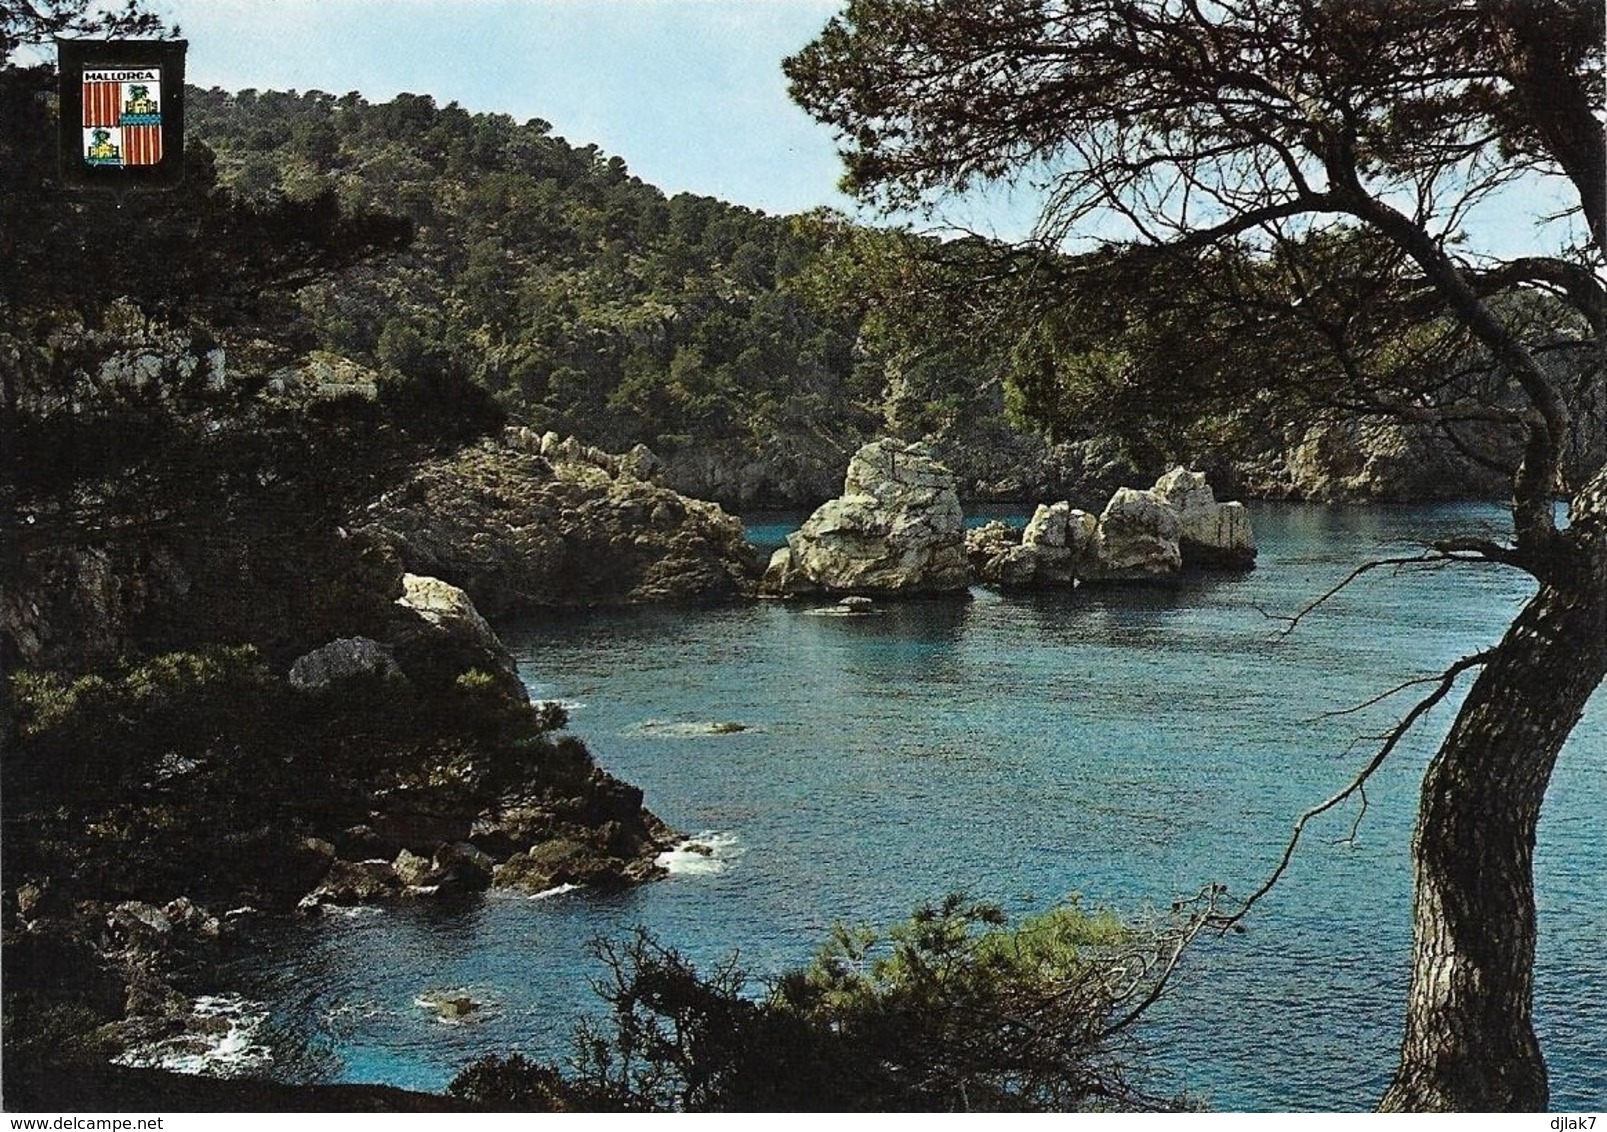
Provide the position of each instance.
(1212, 535)
(896, 530)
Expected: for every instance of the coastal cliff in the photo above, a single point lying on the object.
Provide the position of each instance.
(524, 523)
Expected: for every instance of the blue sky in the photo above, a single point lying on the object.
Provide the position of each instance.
(689, 92)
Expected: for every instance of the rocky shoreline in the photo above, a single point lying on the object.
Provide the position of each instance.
(370, 741)
(383, 748)
(110, 936)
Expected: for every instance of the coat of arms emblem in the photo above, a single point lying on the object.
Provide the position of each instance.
(122, 116)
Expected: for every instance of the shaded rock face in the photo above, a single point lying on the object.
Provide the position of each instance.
(340, 660)
(85, 606)
(1140, 536)
(1211, 535)
(800, 467)
(574, 528)
(1057, 547)
(784, 471)
(896, 530)
(80, 605)
(1010, 467)
(1363, 460)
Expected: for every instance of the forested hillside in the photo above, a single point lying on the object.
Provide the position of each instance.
(591, 304)
(753, 354)
(583, 298)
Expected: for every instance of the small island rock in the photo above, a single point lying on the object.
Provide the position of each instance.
(1212, 535)
(1139, 537)
(896, 530)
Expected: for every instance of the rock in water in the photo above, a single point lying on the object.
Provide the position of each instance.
(1057, 548)
(896, 530)
(1138, 539)
(1212, 535)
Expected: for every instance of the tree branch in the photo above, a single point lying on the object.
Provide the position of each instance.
(1442, 553)
(1445, 683)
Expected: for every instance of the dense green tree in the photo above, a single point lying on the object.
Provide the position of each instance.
(951, 1011)
(587, 301)
(1328, 154)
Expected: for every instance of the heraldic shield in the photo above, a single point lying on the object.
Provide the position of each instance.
(122, 112)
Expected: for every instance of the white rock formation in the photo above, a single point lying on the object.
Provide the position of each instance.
(1212, 534)
(1138, 538)
(896, 530)
(1057, 546)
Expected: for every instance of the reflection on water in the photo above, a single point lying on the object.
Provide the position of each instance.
(1128, 744)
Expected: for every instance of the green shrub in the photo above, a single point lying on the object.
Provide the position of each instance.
(952, 1010)
(511, 1084)
(99, 734)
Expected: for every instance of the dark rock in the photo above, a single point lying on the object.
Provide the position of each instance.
(410, 825)
(339, 660)
(135, 920)
(355, 882)
(184, 913)
(463, 868)
(562, 861)
(572, 527)
(415, 871)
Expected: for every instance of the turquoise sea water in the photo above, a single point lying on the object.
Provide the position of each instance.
(1129, 745)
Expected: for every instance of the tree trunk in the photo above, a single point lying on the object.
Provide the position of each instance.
(1470, 1043)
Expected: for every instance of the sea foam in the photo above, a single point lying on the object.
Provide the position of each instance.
(558, 890)
(702, 855)
(221, 1041)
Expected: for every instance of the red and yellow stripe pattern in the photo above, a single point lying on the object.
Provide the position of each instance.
(110, 138)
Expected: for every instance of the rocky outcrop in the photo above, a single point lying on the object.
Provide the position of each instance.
(998, 465)
(800, 468)
(74, 608)
(896, 530)
(574, 528)
(989, 548)
(1177, 524)
(782, 471)
(439, 631)
(340, 660)
(1138, 538)
(1058, 546)
(1363, 460)
(1211, 535)
(213, 577)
